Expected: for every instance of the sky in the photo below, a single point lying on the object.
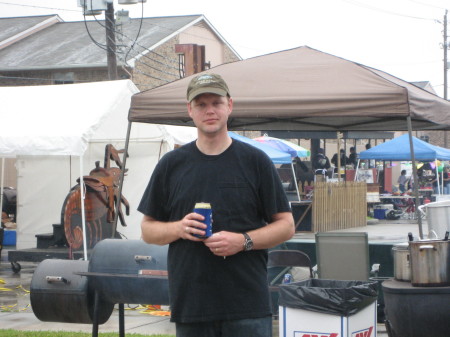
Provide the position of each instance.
(401, 37)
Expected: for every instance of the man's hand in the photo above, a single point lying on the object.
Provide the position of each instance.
(225, 243)
(190, 225)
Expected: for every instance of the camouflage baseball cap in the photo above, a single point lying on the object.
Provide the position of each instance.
(207, 83)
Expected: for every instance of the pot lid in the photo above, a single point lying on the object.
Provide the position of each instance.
(401, 246)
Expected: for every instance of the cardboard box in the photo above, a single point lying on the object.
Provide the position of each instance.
(305, 323)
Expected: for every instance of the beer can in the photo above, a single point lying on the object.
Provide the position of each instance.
(287, 278)
(204, 208)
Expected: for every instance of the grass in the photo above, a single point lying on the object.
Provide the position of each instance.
(17, 333)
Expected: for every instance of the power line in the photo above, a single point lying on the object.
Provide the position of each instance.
(359, 4)
(40, 7)
(427, 5)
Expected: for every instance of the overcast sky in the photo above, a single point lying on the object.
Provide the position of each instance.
(401, 37)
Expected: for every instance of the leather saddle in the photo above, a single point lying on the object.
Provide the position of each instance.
(105, 182)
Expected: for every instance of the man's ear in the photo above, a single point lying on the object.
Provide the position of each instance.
(230, 104)
(189, 109)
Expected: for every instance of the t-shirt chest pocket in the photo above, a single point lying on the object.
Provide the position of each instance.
(237, 195)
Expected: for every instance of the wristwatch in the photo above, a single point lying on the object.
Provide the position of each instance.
(248, 244)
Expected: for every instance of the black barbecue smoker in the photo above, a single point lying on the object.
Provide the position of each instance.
(118, 272)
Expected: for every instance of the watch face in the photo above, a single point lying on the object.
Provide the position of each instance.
(248, 244)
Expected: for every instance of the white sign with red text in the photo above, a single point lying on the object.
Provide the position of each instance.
(305, 323)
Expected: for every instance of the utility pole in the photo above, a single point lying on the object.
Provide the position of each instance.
(110, 25)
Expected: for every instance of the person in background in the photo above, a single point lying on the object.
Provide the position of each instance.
(320, 161)
(446, 178)
(434, 182)
(371, 162)
(344, 159)
(353, 157)
(402, 181)
(217, 285)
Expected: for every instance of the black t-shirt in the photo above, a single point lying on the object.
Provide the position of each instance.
(244, 191)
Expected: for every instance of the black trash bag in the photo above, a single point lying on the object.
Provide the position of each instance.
(343, 298)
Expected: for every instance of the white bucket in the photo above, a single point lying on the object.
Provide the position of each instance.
(438, 218)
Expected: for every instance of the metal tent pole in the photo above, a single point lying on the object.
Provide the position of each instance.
(83, 217)
(416, 180)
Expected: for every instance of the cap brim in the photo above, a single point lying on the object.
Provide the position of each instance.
(199, 91)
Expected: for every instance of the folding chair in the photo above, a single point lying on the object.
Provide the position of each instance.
(343, 256)
(286, 258)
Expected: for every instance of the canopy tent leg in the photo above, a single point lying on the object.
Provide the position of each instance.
(416, 180)
(295, 180)
(436, 168)
(355, 178)
(83, 217)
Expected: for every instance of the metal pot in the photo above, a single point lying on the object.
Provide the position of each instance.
(402, 266)
(430, 263)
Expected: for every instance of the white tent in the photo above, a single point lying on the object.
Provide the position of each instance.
(49, 128)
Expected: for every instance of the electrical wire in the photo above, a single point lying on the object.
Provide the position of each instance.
(138, 33)
(427, 5)
(104, 47)
(151, 76)
(359, 4)
(98, 44)
(39, 7)
(157, 69)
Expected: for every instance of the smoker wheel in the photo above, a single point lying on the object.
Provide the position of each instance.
(16, 267)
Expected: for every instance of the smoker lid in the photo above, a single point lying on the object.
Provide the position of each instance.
(127, 257)
(56, 276)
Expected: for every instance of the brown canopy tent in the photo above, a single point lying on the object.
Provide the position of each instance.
(307, 90)
(304, 89)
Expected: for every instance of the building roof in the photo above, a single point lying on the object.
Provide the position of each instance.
(426, 85)
(68, 45)
(10, 27)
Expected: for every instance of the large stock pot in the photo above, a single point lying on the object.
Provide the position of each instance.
(430, 263)
(402, 263)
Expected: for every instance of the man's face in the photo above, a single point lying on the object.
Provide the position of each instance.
(210, 112)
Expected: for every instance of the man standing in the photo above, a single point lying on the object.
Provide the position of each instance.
(353, 157)
(218, 285)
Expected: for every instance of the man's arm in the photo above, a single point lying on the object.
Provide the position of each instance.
(278, 231)
(163, 233)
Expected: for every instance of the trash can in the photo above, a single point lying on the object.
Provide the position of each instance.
(328, 308)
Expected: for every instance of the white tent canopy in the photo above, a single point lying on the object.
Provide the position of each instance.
(49, 128)
(57, 119)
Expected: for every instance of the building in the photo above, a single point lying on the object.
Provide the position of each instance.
(42, 50)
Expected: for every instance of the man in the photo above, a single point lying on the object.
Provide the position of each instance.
(218, 286)
(402, 180)
(343, 160)
(353, 157)
(321, 161)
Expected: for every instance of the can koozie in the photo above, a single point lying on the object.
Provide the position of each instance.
(204, 209)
